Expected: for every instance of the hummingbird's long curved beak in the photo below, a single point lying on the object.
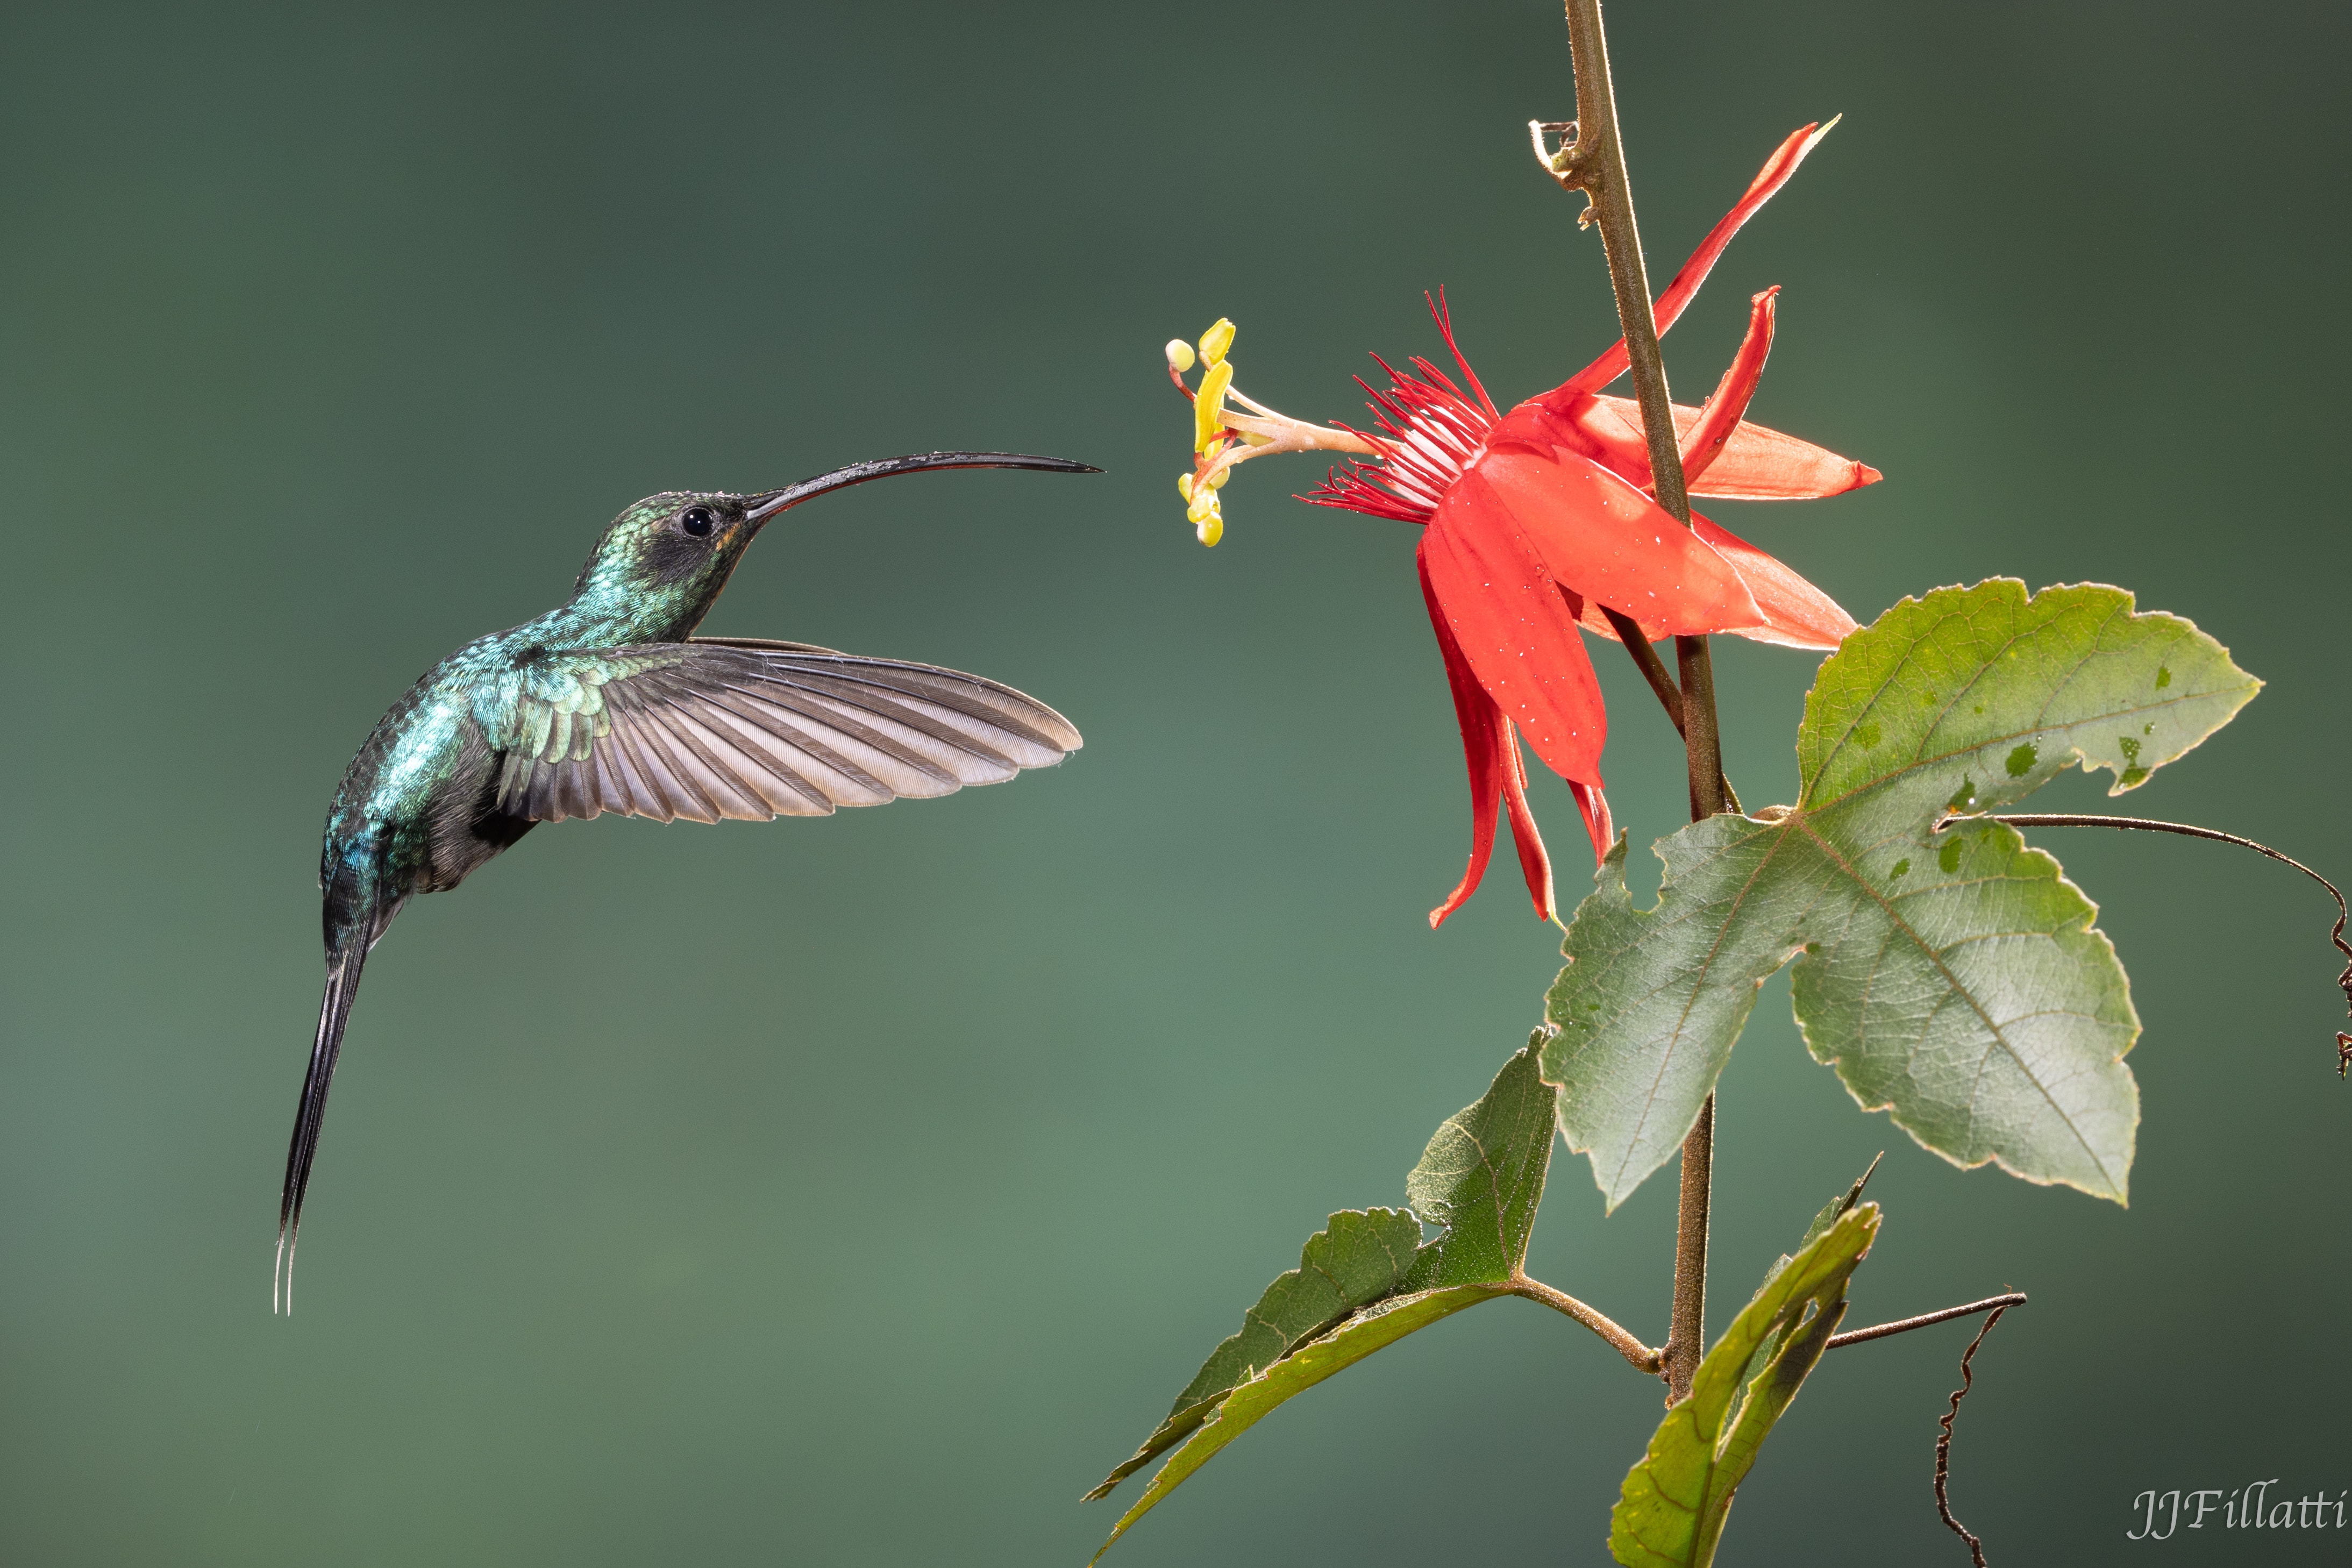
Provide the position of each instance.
(760, 508)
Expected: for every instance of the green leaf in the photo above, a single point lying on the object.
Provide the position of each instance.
(1376, 1328)
(1360, 1257)
(1952, 977)
(1831, 1212)
(1671, 1511)
(1481, 1178)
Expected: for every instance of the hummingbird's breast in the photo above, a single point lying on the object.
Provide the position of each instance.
(412, 812)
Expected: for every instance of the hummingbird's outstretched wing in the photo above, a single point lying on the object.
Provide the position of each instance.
(734, 728)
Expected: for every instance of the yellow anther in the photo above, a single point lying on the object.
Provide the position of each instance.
(1217, 480)
(1208, 426)
(1184, 486)
(1216, 341)
(1207, 518)
(1180, 354)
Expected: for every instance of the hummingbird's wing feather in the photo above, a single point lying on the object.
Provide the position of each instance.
(717, 729)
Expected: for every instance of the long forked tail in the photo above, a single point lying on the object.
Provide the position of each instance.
(344, 963)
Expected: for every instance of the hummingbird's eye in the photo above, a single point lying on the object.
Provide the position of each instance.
(697, 520)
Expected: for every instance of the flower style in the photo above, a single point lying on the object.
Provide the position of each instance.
(1539, 522)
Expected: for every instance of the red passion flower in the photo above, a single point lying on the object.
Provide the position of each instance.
(1535, 520)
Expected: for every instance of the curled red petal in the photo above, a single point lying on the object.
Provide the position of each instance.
(1475, 714)
(1726, 456)
(1594, 533)
(1491, 755)
(1794, 613)
(1775, 173)
(1515, 632)
(1534, 864)
(1598, 825)
(1702, 441)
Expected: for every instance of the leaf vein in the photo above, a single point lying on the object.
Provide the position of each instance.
(1953, 980)
(1698, 983)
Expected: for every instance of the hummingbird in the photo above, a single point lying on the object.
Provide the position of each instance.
(610, 703)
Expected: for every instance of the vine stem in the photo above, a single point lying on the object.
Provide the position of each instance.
(1596, 164)
(2188, 830)
(1642, 1356)
(1943, 1442)
(1645, 658)
(1926, 1320)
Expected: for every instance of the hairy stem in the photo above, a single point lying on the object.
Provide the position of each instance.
(1644, 1358)
(1702, 738)
(1645, 658)
(1686, 1325)
(1905, 1325)
(1598, 164)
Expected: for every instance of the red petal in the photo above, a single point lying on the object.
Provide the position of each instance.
(1755, 463)
(1492, 756)
(1775, 173)
(1702, 443)
(1598, 826)
(1596, 535)
(1724, 456)
(1534, 864)
(1795, 613)
(1592, 620)
(1759, 464)
(1516, 633)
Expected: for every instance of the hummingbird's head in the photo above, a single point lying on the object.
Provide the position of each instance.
(674, 548)
(664, 561)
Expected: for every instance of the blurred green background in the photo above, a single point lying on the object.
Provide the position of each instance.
(857, 1191)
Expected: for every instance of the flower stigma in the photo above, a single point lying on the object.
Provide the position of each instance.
(1223, 437)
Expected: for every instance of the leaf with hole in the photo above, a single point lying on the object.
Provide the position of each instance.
(1951, 974)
